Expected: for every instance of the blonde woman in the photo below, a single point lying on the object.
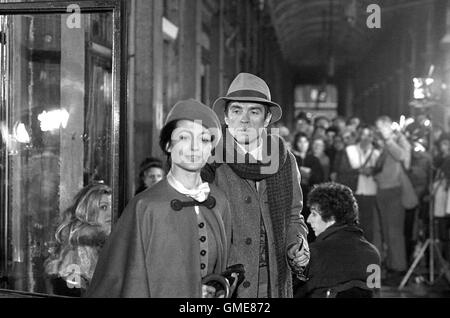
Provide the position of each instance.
(85, 227)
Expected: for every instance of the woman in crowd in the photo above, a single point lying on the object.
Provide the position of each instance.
(83, 232)
(170, 237)
(151, 172)
(341, 258)
(318, 150)
(309, 166)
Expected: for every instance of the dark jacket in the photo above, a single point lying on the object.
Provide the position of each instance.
(339, 254)
(154, 250)
(317, 174)
(345, 174)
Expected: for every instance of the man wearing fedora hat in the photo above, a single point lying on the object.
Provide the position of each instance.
(261, 180)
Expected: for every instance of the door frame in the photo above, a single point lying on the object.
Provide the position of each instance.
(119, 146)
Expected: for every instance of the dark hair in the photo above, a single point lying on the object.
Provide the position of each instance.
(266, 108)
(147, 164)
(297, 138)
(303, 116)
(332, 129)
(318, 118)
(335, 201)
(165, 137)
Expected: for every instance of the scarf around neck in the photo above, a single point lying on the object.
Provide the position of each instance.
(199, 194)
(274, 155)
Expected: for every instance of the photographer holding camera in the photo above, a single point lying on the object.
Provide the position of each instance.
(394, 158)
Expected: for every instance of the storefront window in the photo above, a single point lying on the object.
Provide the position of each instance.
(57, 128)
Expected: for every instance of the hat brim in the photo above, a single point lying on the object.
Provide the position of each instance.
(221, 102)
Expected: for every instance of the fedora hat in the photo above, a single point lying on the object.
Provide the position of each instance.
(193, 110)
(248, 88)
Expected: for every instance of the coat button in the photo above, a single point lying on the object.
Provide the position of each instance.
(203, 253)
(248, 200)
(202, 266)
(246, 284)
(203, 239)
(201, 225)
(248, 241)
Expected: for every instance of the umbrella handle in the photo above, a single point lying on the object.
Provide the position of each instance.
(220, 279)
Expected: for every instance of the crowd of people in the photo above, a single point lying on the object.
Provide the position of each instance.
(343, 197)
(389, 166)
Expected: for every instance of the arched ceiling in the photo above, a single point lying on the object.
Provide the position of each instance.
(310, 32)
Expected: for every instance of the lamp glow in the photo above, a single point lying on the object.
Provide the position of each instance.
(54, 119)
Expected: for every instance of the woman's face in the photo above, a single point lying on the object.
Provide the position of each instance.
(104, 213)
(317, 223)
(318, 147)
(190, 146)
(366, 136)
(152, 176)
(302, 144)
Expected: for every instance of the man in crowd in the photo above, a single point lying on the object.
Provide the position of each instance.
(389, 223)
(262, 183)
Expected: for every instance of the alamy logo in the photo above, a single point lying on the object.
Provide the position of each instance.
(374, 19)
(74, 19)
(374, 279)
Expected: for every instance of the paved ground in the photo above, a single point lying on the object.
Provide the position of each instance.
(418, 287)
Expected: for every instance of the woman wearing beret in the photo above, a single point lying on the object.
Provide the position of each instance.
(174, 234)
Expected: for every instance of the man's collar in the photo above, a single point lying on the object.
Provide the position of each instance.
(255, 153)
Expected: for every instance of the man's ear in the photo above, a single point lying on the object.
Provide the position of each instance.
(226, 120)
(168, 147)
(267, 120)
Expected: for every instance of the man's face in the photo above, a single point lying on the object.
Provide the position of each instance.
(246, 121)
(366, 136)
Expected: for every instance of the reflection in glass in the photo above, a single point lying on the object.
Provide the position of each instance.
(55, 131)
(79, 238)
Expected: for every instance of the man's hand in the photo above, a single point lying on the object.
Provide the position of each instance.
(299, 254)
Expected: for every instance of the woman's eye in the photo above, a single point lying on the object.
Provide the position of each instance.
(183, 137)
(206, 139)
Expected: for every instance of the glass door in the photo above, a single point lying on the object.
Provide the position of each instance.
(59, 123)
